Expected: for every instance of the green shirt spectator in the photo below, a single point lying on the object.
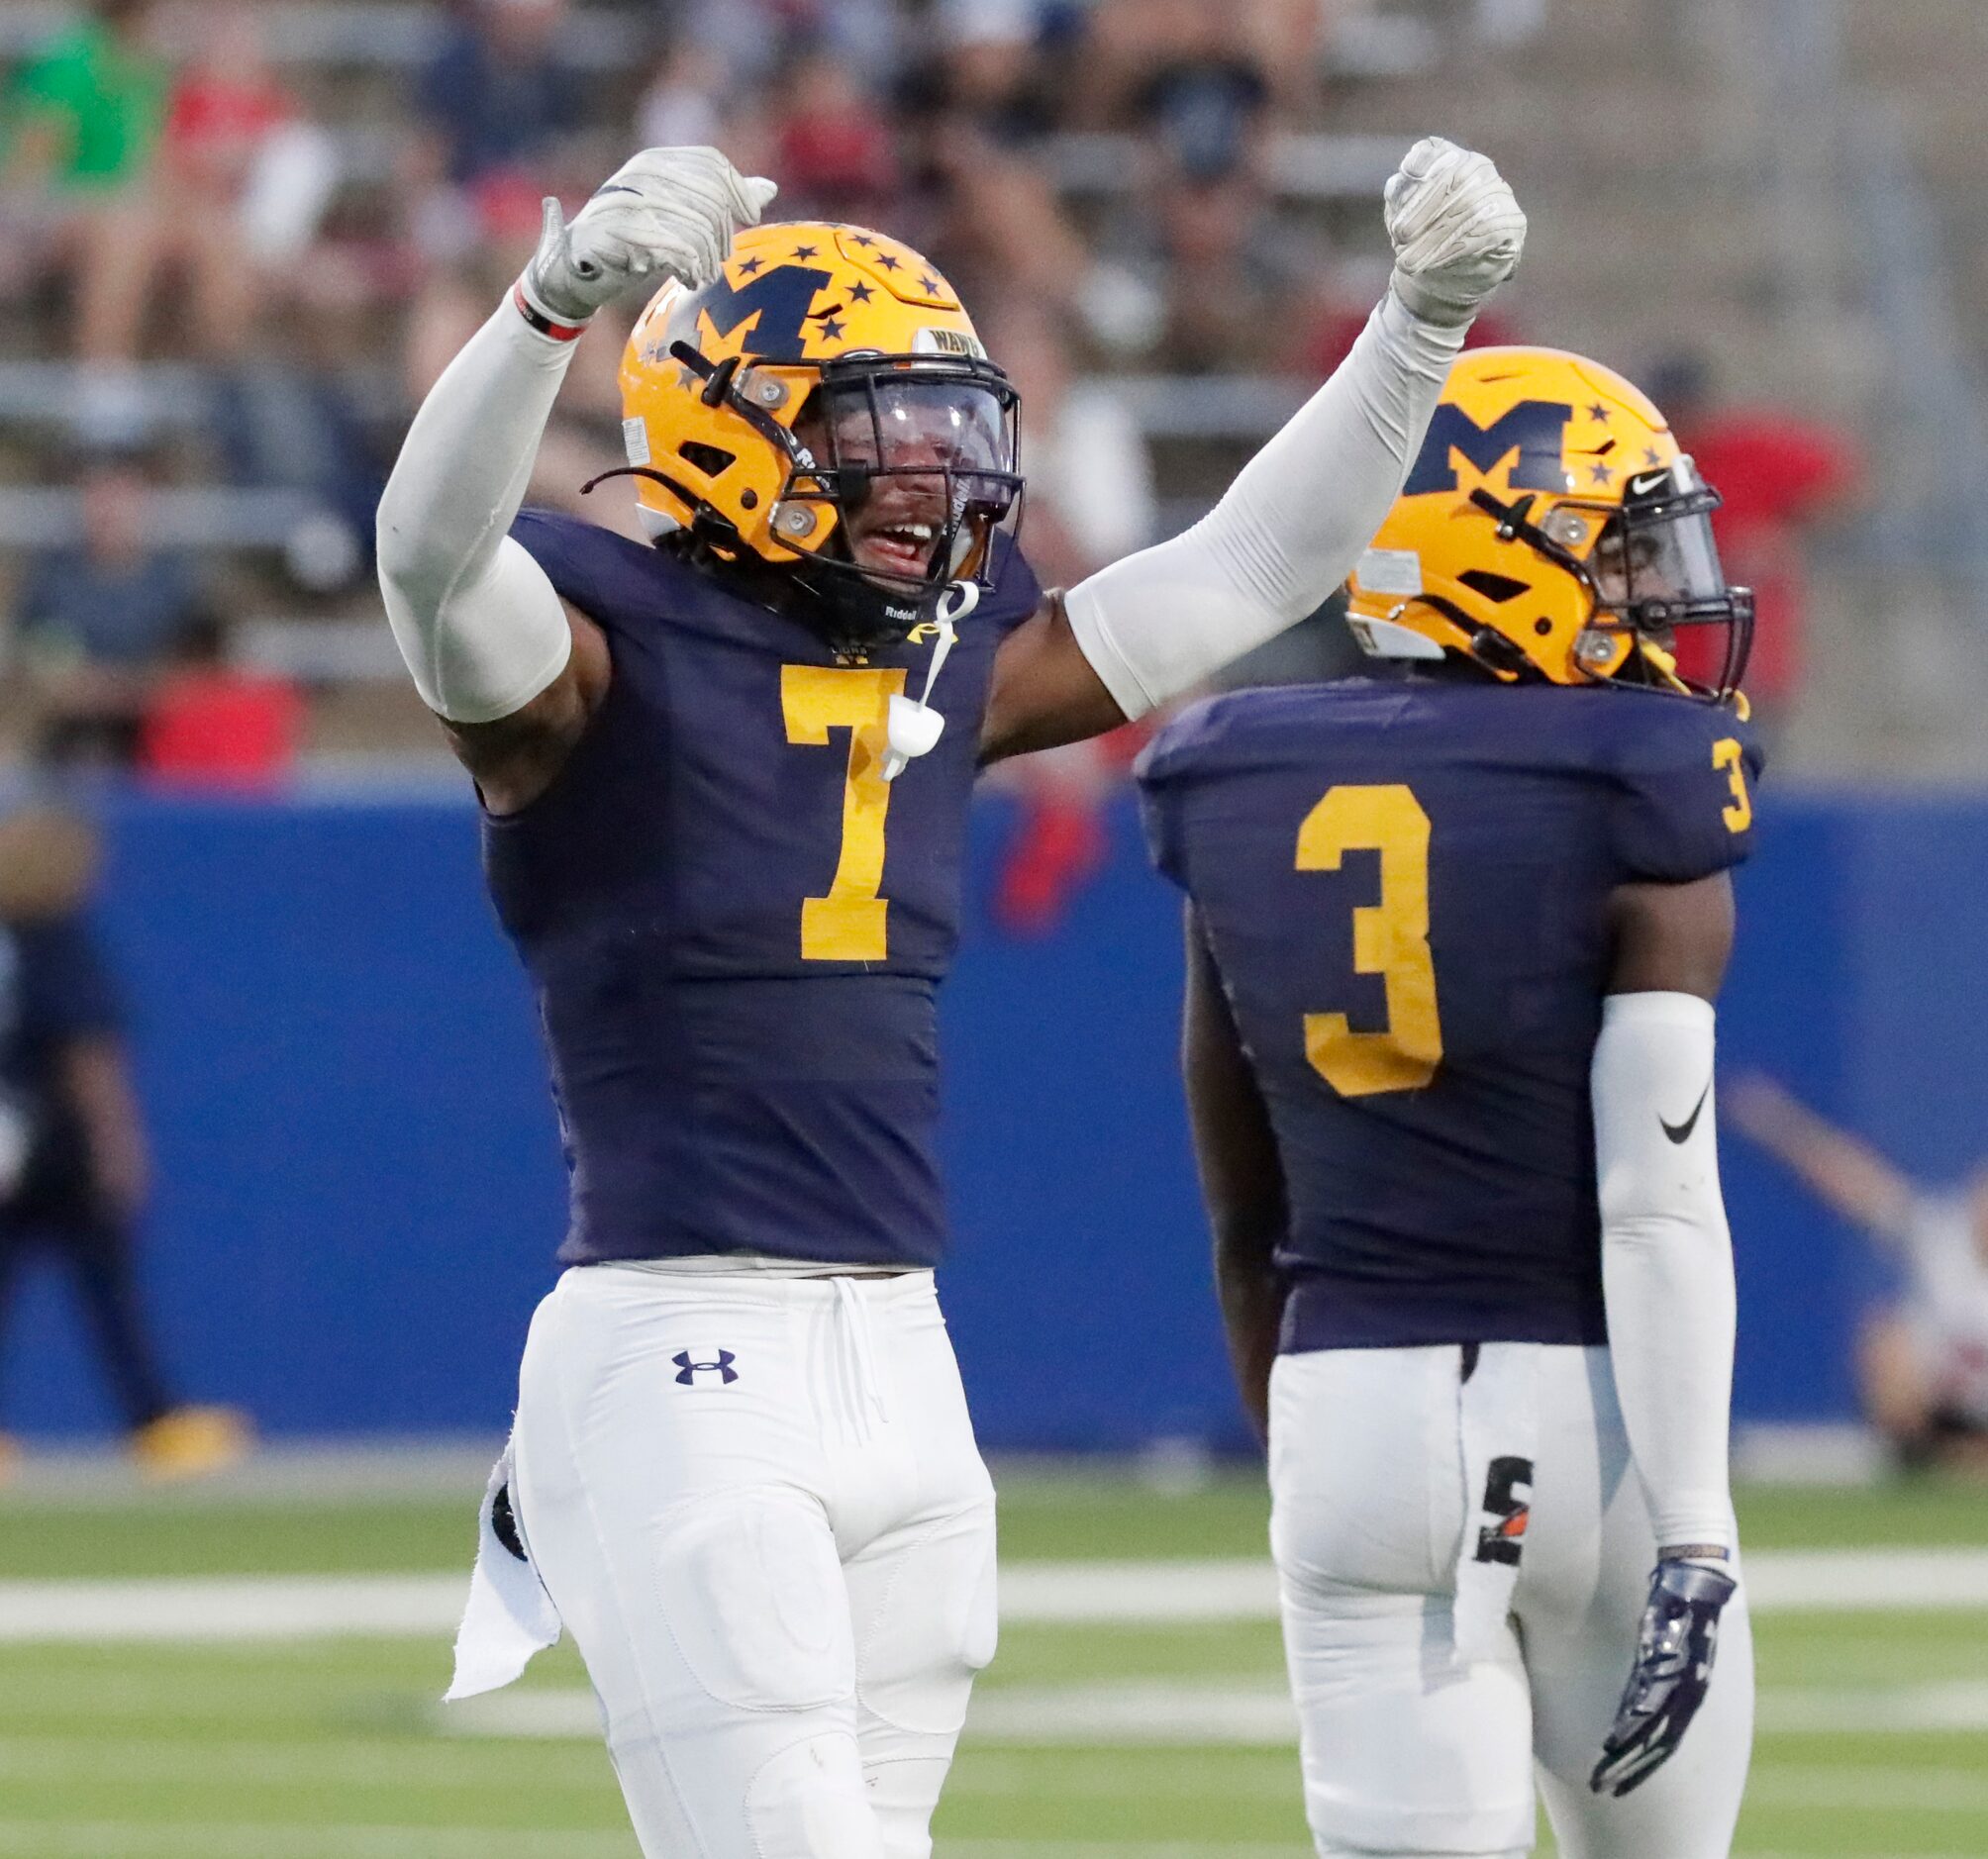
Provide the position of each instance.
(86, 109)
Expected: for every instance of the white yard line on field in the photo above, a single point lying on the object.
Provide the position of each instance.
(233, 1607)
(1032, 1594)
(229, 1839)
(124, 1839)
(1255, 1716)
(1955, 1705)
(128, 1840)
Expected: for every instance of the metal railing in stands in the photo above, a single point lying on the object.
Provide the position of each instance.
(1372, 44)
(42, 516)
(1164, 407)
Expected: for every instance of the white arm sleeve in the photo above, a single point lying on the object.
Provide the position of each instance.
(474, 616)
(1288, 532)
(1666, 1257)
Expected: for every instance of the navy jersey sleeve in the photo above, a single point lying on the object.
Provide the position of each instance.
(599, 572)
(70, 993)
(1163, 771)
(1016, 593)
(1685, 775)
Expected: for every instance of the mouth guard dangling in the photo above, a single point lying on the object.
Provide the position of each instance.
(914, 728)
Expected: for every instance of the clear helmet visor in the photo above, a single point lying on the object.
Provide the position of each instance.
(1670, 558)
(1655, 574)
(922, 426)
(926, 461)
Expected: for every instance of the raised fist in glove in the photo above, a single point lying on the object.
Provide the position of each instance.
(668, 210)
(1457, 229)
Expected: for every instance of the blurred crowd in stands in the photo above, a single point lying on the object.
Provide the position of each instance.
(307, 210)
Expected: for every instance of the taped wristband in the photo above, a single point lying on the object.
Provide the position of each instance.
(538, 319)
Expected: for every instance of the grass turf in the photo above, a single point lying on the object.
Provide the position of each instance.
(1043, 1514)
(335, 1748)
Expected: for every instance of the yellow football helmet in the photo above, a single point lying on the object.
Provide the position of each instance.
(1550, 528)
(761, 413)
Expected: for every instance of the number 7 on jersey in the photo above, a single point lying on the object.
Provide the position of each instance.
(850, 924)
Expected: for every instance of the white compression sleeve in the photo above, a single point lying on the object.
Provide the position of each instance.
(474, 616)
(1666, 1257)
(1288, 532)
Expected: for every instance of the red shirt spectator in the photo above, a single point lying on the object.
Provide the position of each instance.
(215, 124)
(224, 105)
(213, 725)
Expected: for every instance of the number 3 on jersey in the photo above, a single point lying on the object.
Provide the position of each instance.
(850, 924)
(1390, 940)
(1728, 756)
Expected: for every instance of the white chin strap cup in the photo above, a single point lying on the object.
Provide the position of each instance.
(914, 728)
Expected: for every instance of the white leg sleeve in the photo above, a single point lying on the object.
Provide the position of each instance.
(1666, 1257)
(1288, 532)
(922, 1597)
(1404, 1750)
(474, 616)
(1580, 1596)
(674, 1525)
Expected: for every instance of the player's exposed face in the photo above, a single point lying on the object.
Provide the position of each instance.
(923, 449)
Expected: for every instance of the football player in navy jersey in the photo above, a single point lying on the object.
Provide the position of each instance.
(724, 780)
(1456, 930)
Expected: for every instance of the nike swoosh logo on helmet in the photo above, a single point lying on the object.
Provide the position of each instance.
(1641, 486)
(1681, 1132)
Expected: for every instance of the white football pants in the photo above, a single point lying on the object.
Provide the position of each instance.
(1408, 1748)
(757, 1506)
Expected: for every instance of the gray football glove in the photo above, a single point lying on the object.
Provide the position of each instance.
(1457, 230)
(667, 211)
(1675, 1646)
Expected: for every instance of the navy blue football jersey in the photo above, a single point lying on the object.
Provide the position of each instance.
(1405, 888)
(735, 927)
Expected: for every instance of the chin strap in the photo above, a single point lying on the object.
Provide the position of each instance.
(914, 728)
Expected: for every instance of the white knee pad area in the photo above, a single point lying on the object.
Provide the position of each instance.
(929, 1626)
(808, 1801)
(753, 1596)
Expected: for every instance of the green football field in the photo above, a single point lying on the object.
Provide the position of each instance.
(142, 1720)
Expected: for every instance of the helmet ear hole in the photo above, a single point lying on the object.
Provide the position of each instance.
(711, 460)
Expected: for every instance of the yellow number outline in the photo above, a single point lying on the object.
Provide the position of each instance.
(1729, 755)
(851, 923)
(1390, 940)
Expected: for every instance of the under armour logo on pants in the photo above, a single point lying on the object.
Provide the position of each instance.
(720, 1365)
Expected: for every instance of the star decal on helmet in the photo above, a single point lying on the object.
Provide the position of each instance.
(1601, 474)
(805, 252)
(928, 283)
(1649, 456)
(887, 262)
(1599, 413)
(832, 329)
(749, 267)
(861, 239)
(860, 293)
